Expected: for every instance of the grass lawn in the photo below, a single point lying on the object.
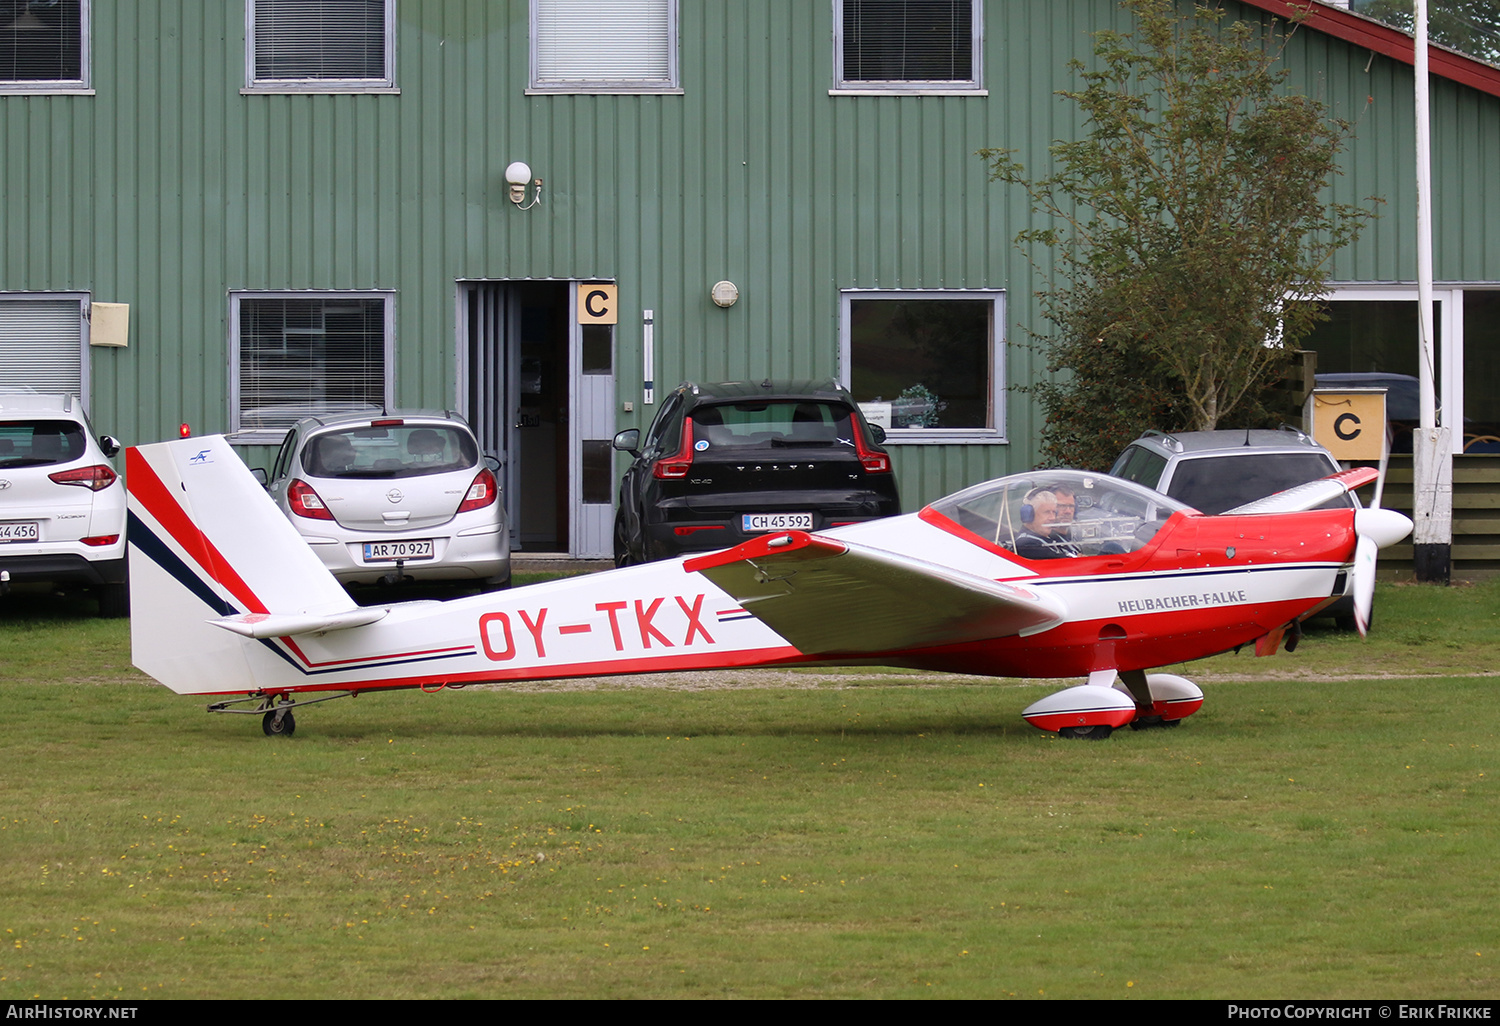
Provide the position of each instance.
(1325, 827)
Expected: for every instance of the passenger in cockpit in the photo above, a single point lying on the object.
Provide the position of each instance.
(1042, 535)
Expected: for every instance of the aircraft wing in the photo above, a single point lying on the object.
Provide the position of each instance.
(1310, 495)
(826, 596)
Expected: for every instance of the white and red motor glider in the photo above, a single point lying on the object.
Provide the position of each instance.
(229, 601)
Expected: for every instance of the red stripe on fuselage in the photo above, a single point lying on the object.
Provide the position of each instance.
(659, 664)
(159, 501)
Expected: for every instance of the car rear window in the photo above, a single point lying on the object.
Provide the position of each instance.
(771, 424)
(40, 443)
(390, 452)
(1214, 484)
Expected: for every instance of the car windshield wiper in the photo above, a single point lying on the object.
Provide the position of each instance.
(33, 461)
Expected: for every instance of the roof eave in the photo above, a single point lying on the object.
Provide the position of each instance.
(1383, 39)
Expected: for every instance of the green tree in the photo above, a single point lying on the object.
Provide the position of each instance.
(1186, 225)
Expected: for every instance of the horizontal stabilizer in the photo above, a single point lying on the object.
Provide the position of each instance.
(1309, 496)
(288, 625)
(828, 595)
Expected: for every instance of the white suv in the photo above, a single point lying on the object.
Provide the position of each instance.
(387, 497)
(62, 505)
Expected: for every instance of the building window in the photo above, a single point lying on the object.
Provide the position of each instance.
(320, 45)
(930, 46)
(927, 366)
(44, 46)
(604, 46)
(295, 354)
(43, 344)
(1369, 339)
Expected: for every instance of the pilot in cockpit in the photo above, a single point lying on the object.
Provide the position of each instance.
(1042, 534)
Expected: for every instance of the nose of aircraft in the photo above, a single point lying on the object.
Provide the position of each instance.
(1382, 526)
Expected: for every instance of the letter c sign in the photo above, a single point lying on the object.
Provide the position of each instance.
(1347, 426)
(598, 304)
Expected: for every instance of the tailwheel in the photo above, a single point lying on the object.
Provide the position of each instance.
(1097, 732)
(279, 723)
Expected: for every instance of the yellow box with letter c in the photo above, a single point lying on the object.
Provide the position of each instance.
(1349, 422)
(598, 303)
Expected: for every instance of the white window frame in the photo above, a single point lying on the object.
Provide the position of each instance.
(974, 86)
(236, 298)
(1449, 326)
(82, 299)
(994, 434)
(671, 84)
(80, 86)
(387, 84)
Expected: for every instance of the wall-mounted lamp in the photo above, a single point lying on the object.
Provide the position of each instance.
(724, 294)
(519, 177)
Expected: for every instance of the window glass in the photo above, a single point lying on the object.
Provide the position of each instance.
(587, 46)
(43, 43)
(1214, 484)
(772, 425)
(598, 471)
(284, 456)
(389, 451)
(40, 443)
(304, 355)
(1482, 370)
(907, 44)
(1059, 514)
(320, 42)
(598, 348)
(1140, 465)
(924, 361)
(666, 430)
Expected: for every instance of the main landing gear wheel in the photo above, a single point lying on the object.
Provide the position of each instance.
(1098, 732)
(279, 724)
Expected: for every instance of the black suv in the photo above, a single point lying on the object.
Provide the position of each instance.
(726, 462)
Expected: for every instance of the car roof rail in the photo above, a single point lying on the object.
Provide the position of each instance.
(1175, 445)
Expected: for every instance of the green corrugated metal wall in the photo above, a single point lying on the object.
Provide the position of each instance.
(168, 188)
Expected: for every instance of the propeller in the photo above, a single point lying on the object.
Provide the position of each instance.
(1375, 528)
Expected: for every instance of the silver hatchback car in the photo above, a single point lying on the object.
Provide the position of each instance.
(389, 497)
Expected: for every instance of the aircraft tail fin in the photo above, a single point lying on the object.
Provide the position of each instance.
(206, 542)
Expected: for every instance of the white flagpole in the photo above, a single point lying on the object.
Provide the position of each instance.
(1432, 454)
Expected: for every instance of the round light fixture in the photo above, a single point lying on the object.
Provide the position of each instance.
(724, 294)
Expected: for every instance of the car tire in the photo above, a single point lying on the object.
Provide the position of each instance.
(497, 583)
(622, 544)
(114, 600)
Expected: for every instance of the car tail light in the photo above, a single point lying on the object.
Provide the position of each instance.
(873, 462)
(386, 423)
(93, 478)
(101, 540)
(683, 532)
(679, 463)
(672, 468)
(305, 502)
(481, 493)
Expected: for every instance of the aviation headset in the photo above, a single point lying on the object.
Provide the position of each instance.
(1028, 507)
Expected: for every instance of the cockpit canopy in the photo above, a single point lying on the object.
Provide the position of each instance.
(1060, 514)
